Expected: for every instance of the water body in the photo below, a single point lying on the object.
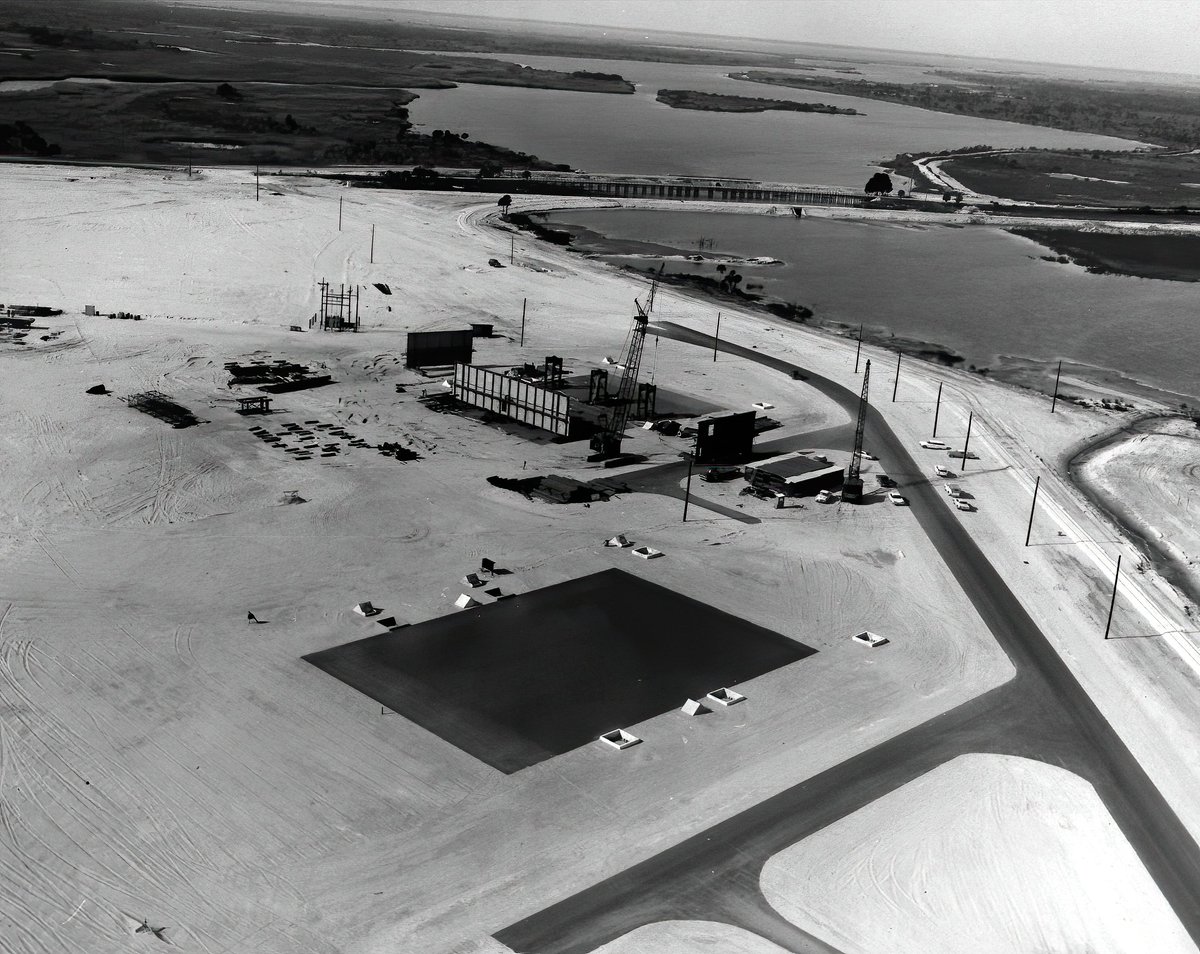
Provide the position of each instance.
(981, 292)
(606, 132)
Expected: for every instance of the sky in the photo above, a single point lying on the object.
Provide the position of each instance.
(1155, 35)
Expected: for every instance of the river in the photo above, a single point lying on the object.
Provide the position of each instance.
(606, 132)
(980, 292)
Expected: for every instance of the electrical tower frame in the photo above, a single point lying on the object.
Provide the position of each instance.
(339, 309)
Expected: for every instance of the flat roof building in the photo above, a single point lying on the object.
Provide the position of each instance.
(794, 474)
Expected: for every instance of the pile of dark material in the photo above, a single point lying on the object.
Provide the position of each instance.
(383, 287)
(559, 490)
(125, 316)
(275, 376)
(157, 404)
(97, 389)
(400, 452)
(35, 311)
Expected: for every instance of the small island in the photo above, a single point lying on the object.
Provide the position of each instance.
(723, 103)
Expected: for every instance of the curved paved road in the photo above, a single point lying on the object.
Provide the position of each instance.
(1042, 713)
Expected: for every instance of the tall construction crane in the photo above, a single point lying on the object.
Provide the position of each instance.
(607, 442)
(852, 486)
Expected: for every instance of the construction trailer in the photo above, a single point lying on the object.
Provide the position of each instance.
(428, 349)
(726, 438)
(794, 475)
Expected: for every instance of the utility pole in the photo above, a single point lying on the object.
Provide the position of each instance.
(937, 408)
(896, 385)
(1113, 604)
(967, 442)
(339, 213)
(717, 337)
(512, 248)
(372, 244)
(858, 349)
(1057, 375)
(1029, 529)
(524, 302)
(256, 182)
(189, 162)
(687, 493)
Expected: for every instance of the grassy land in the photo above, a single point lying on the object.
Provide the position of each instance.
(1171, 257)
(1164, 115)
(345, 105)
(721, 103)
(1096, 178)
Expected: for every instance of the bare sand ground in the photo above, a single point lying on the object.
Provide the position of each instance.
(971, 850)
(162, 758)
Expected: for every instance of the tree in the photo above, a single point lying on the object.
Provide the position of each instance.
(225, 91)
(504, 202)
(878, 184)
(291, 123)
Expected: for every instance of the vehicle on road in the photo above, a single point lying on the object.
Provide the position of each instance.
(716, 474)
(961, 504)
(867, 456)
(944, 471)
(935, 445)
(824, 496)
(963, 455)
(954, 490)
(884, 480)
(868, 638)
(897, 500)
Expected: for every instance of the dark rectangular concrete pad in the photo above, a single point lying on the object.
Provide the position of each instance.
(522, 680)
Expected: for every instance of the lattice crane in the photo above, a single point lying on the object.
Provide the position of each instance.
(607, 442)
(852, 487)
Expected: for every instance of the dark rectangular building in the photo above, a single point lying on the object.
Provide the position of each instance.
(725, 438)
(432, 348)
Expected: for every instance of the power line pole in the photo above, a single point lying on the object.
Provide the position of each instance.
(717, 337)
(1029, 529)
(339, 213)
(858, 349)
(937, 408)
(687, 493)
(896, 385)
(524, 302)
(1054, 400)
(1113, 604)
(256, 182)
(512, 248)
(967, 442)
(372, 244)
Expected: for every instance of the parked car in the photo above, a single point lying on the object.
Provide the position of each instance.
(867, 456)
(944, 471)
(962, 504)
(954, 490)
(715, 474)
(897, 499)
(824, 496)
(884, 480)
(935, 445)
(961, 455)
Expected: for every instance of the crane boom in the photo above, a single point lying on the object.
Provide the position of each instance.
(607, 443)
(852, 486)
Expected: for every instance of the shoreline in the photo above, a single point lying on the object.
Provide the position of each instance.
(1081, 382)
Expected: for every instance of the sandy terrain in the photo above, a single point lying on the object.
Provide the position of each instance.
(1151, 477)
(160, 758)
(1014, 854)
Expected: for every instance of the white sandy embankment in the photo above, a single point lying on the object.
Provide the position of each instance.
(1149, 477)
(161, 758)
(1013, 854)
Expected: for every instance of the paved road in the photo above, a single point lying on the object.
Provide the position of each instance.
(1042, 713)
